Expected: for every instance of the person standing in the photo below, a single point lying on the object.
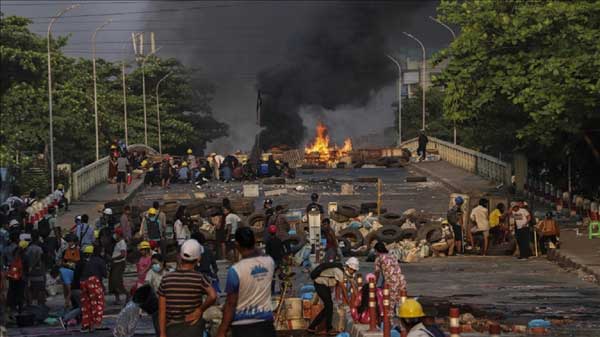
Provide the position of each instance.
(92, 290)
(182, 231)
(117, 267)
(144, 263)
(85, 232)
(497, 223)
(180, 304)
(479, 217)
(388, 268)
(151, 226)
(112, 168)
(232, 221)
(208, 263)
(17, 282)
(35, 270)
(248, 308)
(549, 232)
(521, 218)
(156, 272)
(455, 219)
(125, 224)
(422, 148)
(325, 279)
(331, 249)
(276, 250)
(166, 172)
(314, 204)
(122, 169)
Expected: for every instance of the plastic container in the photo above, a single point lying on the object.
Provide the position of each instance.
(293, 309)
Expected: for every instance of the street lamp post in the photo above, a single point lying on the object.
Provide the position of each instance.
(95, 91)
(399, 98)
(51, 131)
(453, 38)
(144, 95)
(424, 71)
(158, 112)
(124, 97)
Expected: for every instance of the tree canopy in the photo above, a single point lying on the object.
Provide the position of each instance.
(185, 98)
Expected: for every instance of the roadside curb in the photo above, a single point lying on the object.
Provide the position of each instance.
(567, 260)
(450, 186)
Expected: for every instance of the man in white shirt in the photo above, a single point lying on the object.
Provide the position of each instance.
(232, 221)
(117, 267)
(521, 217)
(480, 217)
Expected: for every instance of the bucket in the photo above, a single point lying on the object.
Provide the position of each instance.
(293, 308)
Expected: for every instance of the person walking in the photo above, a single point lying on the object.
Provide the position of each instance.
(549, 232)
(276, 250)
(182, 231)
(388, 269)
(92, 290)
(117, 267)
(248, 308)
(455, 219)
(314, 204)
(480, 218)
(151, 226)
(422, 148)
(123, 167)
(35, 270)
(16, 276)
(521, 217)
(180, 296)
(327, 276)
(232, 222)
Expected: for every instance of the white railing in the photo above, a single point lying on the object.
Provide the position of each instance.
(96, 173)
(475, 162)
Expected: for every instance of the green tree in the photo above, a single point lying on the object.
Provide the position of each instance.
(525, 75)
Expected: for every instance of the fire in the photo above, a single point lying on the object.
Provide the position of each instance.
(319, 150)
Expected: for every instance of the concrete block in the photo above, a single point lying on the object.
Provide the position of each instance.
(347, 189)
(276, 192)
(250, 190)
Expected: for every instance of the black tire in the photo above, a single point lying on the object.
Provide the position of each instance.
(348, 211)
(295, 242)
(243, 206)
(372, 236)
(416, 179)
(367, 207)
(410, 234)
(389, 234)
(354, 236)
(257, 222)
(391, 219)
(366, 179)
(505, 248)
(335, 216)
(345, 245)
(424, 231)
(274, 181)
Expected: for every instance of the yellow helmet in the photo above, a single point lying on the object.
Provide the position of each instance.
(23, 244)
(144, 163)
(89, 249)
(144, 245)
(277, 161)
(189, 151)
(151, 169)
(203, 169)
(96, 234)
(152, 211)
(60, 186)
(112, 147)
(445, 222)
(411, 308)
(183, 164)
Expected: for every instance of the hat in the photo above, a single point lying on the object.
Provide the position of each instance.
(144, 245)
(60, 186)
(78, 217)
(189, 151)
(203, 169)
(191, 250)
(13, 222)
(24, 237)
(152, 211)
(184, 164)
(23, 244)
(272, 229)
(353, 264)
(107, 211)
(89, 249)
(410, 309)
(119, 230)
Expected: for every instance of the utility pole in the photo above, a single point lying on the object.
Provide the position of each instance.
(124, 97)
(453, 38)
(158, 112)
(399, 98)
(144, 93)
(424, 72)
(51, 118)
(95, 91)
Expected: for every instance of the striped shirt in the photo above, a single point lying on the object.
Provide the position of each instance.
(183, 292)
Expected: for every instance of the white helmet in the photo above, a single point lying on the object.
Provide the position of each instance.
(107, 211)
(353, 264)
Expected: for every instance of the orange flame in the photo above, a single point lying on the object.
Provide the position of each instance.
(321, 144)
(347, 146)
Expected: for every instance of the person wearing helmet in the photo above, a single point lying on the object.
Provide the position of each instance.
(181, 315)
(59, 196)
(92, 290)
(184, 174)
(549, 233)
(314, 204)
(445, 245)
(326, 276)
(455, 219)
(411, 316)
(388, 269)
(144, 263)
(327, 233)
(17, 283)
(154, 226)
(276, 250)
(268, 203)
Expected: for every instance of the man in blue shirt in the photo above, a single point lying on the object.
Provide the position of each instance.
(85, 232)
(248, 309)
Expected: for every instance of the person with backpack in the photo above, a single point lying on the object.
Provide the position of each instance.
(16, 277)
(35, 270)
(455, 218)
(151, 226)
(326, 276)
(85, 232)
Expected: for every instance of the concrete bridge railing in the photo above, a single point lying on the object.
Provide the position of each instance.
(96, 173)
(475, 162)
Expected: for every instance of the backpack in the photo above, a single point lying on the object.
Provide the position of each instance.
(44, 227)
(325, 265)
(15, 270)
(72, 255)
(153, 227)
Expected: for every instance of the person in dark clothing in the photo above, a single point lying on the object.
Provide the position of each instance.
(208, 263)
(422, 149)
(314, 204)
(276, 250)
(16, 278)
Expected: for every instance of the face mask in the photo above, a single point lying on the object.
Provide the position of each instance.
(156, 267)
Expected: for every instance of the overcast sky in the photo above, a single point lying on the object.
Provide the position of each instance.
(231, 42)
